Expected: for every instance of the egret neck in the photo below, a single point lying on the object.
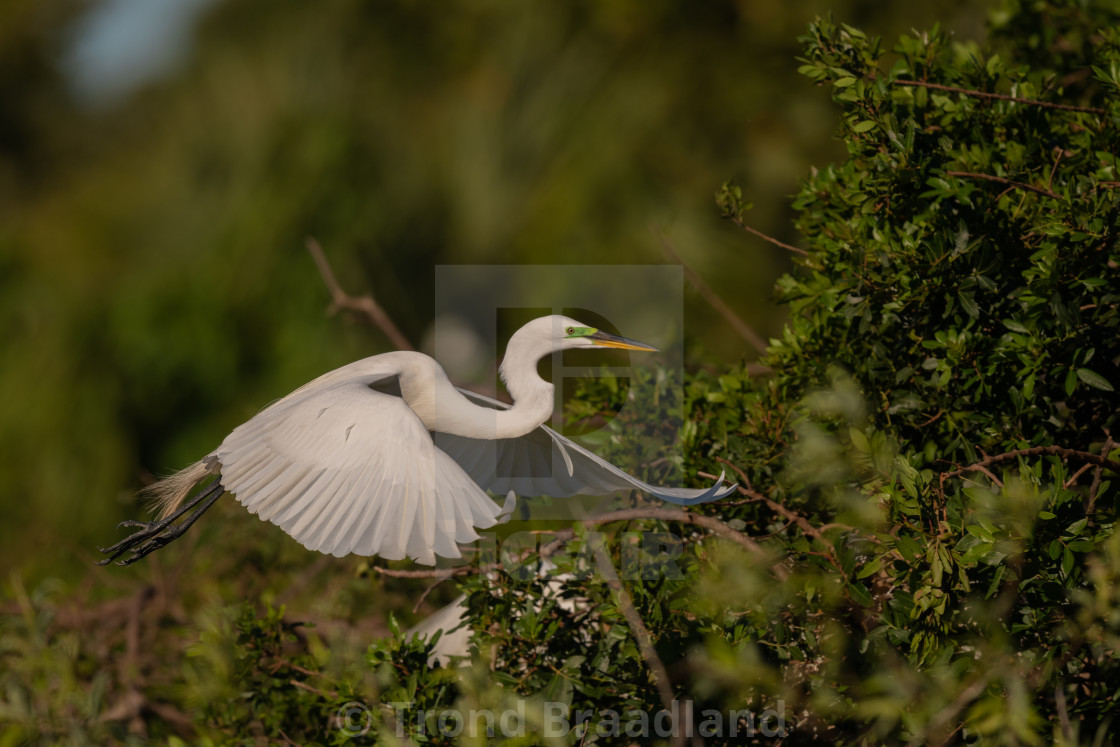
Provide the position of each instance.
(442, 408)
(533, 397)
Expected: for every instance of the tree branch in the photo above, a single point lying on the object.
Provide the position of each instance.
(988, 461)
(438, 573)
(745, 331)
(999, 96)
(1095, 486)
(1002, 180)
(363, 305)
(713, 525)
(641, 636)
(738, 220)
(796, 518)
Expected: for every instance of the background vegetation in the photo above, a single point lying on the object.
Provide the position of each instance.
(924, 541)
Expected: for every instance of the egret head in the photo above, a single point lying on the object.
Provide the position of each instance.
(576, 335)
(549, 334)
(564, 333)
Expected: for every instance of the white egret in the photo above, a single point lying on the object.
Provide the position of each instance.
(385, 456)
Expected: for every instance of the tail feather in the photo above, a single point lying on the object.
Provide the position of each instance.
(171, 490)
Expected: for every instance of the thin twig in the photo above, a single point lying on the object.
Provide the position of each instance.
(988, 461)
(1054, 168)
(440, 573)
(340, 299)
(745, 331)
(793, 516)
(999, 96)
(1072, 480)
(738, 220)
(1002, 180)
(280, 661)
(310, 689)
(439, 580)
(1096, 484)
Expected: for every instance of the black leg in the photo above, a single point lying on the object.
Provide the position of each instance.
(155, 534)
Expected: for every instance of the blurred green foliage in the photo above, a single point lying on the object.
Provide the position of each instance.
(154, 289)
(926, 471)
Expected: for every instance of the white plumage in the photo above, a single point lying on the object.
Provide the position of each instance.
(386, 457)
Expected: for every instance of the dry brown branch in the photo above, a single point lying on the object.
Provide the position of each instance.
(738, 221)
(804, 524)
(1054, 168)
(1096, 484)
(998, 483)
(310, 689)
(641, 635)
(440, 573)
(340, 299)
(1072, 479)
(745, 331)
(988, 461)
(439, 580)
(280, 661)
(1002, 180)
(1000, 97)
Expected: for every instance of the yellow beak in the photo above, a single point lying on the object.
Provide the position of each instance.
(607, 340)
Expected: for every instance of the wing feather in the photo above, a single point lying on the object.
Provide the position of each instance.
(344, 468)
(543, 462)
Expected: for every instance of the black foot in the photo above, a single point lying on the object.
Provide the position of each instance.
(155, 534)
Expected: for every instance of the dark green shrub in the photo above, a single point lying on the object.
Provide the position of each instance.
(924, 547)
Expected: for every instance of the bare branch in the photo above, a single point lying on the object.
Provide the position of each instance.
(803, 523)
(1095, 486)
(1002, 180)
(641, 635)
(738, 220)
(1000, 97)
(717, 303)
(439, 573)
(310, 689)
(988, 461)
(363, 305)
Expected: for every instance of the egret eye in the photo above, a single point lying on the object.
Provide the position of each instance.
(570, 330)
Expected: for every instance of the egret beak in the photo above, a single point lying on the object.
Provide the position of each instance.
(607, 340)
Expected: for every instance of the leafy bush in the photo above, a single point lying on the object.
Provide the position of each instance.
(927, 471)
(923, 550)
(924, 547)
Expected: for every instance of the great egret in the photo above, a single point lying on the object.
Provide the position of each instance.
(385, 456)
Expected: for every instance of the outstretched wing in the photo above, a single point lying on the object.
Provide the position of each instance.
(543, 462)
(346, 469)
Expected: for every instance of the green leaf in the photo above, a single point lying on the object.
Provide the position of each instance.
(859, 594)
(969, 304)
(870, 568)
(993, 587)
(1094, 379)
